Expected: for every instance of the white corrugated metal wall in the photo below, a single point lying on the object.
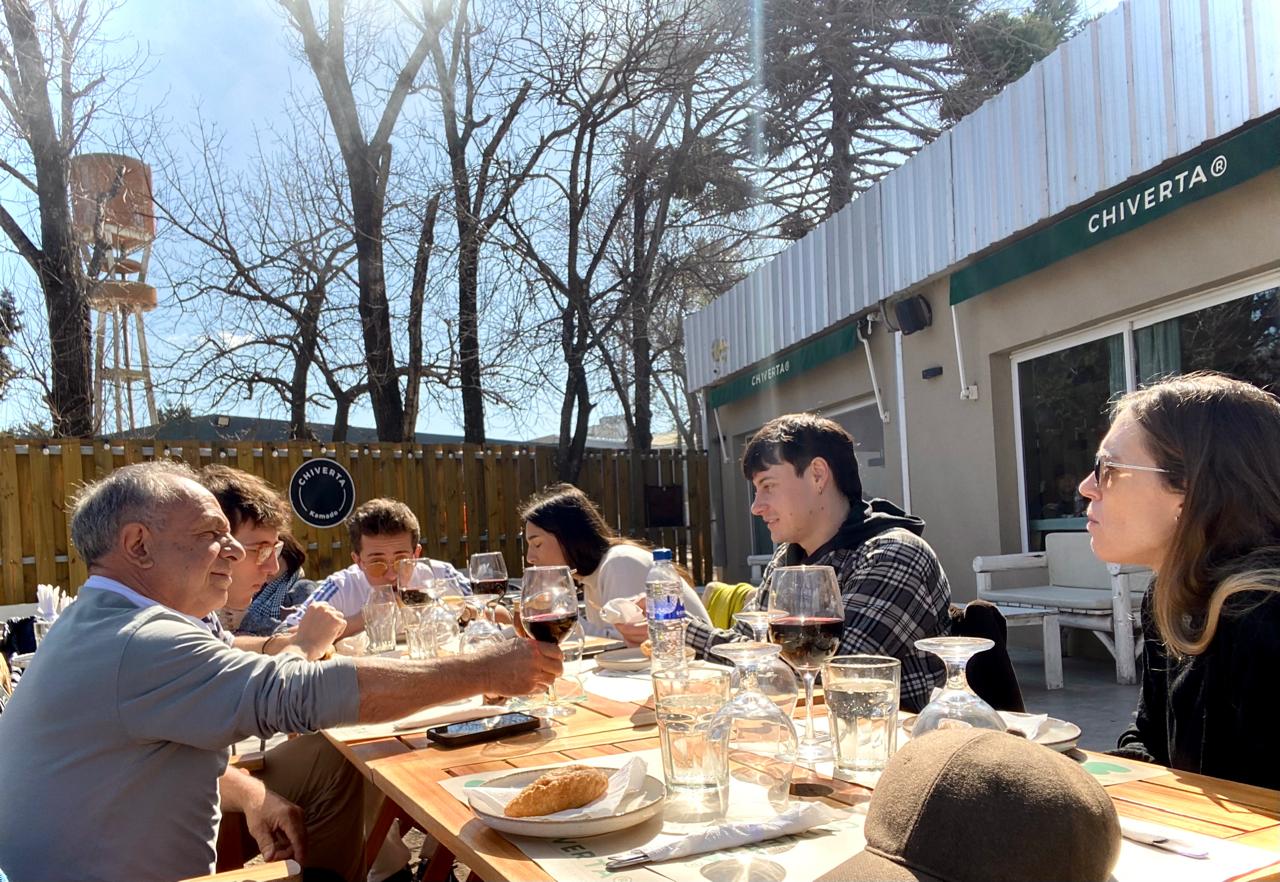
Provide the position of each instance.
(1150, 81)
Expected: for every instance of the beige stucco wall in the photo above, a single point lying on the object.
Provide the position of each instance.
(962, 454)
(825, 387)
(963, 465)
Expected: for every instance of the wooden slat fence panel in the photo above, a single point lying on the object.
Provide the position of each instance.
(466, 497)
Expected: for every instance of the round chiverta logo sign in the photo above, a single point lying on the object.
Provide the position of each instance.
(322, 493)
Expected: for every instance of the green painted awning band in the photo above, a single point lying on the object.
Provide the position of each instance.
(1206, 173)
(782, 367)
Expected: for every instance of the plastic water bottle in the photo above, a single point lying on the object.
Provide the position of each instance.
(665, 603)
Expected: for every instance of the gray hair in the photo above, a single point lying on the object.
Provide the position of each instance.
(137, 493)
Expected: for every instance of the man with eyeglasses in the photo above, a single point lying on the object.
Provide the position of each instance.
(383, 533)
(121, 729)
(252, 615)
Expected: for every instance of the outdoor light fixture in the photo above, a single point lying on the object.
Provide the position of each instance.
(222, 422)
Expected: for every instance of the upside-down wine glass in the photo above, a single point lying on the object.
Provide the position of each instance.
(956, 706)
(548, 611)
(805, 619)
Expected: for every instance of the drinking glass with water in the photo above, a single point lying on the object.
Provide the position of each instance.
(695, 767)
(862, 693)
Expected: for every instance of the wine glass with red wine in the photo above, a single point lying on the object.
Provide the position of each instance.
(806, 619)
(488, 571)
(548, 611)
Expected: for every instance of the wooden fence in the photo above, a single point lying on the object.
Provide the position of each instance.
(465, 497)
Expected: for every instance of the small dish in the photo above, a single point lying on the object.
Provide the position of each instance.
(1055, 734)
(632, 659)
(635, 809)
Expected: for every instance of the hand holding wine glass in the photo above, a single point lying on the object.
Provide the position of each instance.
(806, 619)
(548, 611)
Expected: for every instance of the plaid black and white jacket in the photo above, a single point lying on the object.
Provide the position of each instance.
(895, 593)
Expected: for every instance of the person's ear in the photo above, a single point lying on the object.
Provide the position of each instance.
(135, 542)
(355, 558)
(417, 551)
(820, 473)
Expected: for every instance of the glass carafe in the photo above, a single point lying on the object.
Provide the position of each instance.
(756, 735)
(956, 706)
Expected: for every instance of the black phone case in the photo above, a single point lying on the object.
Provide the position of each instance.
(440, 736)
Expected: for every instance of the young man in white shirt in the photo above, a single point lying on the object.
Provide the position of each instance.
(383, 533)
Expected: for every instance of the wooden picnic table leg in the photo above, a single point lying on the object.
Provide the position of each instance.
(440, 865)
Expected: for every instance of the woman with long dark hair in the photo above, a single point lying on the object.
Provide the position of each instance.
(1187, 482)
(563, 527)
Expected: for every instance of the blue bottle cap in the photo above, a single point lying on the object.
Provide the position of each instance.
(662, 554)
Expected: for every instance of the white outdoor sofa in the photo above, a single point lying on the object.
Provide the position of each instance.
(1083, 591)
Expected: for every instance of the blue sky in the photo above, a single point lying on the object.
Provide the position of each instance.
(231, 60)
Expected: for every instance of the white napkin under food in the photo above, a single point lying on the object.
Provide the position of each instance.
(622, 611)
(622, 783)
(1026, 725)
(798, 818)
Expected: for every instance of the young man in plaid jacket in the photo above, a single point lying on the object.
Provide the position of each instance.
(810, 497)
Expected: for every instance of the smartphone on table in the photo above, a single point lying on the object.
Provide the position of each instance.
(483, 729)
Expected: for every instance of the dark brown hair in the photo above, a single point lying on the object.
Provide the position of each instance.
(294, 553)
(798, 439)
(567, 513)
(1219, 438)
(244, 498)
(381, 517)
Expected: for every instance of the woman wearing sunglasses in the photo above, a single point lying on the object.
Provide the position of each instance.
(1187, 482)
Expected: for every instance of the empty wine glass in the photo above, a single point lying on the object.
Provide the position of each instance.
(956, 706)
(753, 724)
(805, 620)
(548, 611)
(488, 572)
(482, 630)
(755, 613)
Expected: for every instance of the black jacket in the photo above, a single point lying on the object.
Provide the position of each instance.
(1217, 713)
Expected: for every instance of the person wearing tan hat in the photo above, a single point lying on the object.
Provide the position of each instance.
(972, 805)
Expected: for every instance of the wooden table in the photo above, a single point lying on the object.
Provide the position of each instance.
(408, 769)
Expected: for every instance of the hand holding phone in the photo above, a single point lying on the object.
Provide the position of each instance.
(484, 729)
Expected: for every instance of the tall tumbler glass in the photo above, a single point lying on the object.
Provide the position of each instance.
(380, 620)
(862, 693)
(694, 765)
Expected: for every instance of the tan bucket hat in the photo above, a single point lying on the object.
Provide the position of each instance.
(972, 805)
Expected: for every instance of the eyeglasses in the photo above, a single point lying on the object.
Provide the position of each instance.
(1102, 465)
(263, 553)
(377, 568)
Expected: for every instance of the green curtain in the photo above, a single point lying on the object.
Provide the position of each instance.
(1159, 349)
(1115, 366)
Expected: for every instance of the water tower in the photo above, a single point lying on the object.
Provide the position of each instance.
(111, 206)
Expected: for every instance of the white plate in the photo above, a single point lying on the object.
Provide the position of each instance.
(635, 809)
(1054, 733)
(623, 660)
(632, 660)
